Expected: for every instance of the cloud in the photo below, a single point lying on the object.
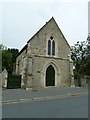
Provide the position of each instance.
(44, 1)
(22, 20)
(89, 17)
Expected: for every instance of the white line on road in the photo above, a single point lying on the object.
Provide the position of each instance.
(41, 98)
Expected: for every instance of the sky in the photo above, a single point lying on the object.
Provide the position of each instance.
(88, 17)
(21, 19)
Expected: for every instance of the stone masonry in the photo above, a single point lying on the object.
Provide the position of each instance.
(33, 60)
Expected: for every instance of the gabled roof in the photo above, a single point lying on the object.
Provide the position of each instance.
(61, 32)
(52, 19)
(25, 47)
(40, 29)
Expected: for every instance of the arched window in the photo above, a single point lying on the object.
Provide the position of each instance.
(49, 47)
(53, 47)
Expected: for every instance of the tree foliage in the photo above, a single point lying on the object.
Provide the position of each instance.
(2, 47)
(8, 58)
(81, 58)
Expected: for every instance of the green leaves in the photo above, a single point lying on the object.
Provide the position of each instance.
(81, 57)
(8, 58)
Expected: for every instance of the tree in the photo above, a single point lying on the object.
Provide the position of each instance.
(81, 57)
(2, 47)
(7, 61)
(88, 56)
(8, 58)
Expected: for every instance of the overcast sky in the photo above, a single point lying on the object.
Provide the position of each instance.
(89, 17)
(21, 20)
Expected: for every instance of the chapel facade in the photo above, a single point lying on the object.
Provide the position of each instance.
(45, 61)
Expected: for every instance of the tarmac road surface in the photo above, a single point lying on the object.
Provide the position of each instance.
(16, 94)
(68, 107)
(67, 102)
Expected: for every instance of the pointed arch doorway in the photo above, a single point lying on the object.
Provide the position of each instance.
(50, 76)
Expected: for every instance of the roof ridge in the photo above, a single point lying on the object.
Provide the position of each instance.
(52, 18)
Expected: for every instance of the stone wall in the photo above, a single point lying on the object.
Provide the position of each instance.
(34, 60)
(3, 79)
(85, 81)
(20, 62)
(39, 65)
(82, 82)
(38, 44)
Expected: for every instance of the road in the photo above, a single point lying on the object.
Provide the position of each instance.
(16, 94)
(68, 107)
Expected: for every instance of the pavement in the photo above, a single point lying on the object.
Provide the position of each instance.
(21, 95)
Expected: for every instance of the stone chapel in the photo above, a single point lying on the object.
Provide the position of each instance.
(45, 61)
